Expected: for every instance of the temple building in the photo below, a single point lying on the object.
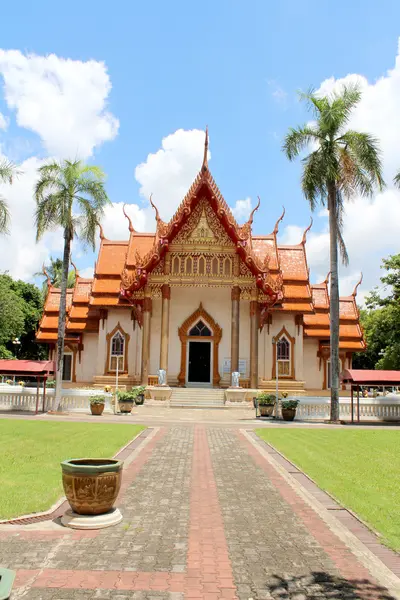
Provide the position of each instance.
(200, 298)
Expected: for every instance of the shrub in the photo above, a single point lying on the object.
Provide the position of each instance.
(265, 399)
(290, 403)
(97, 400)
(128, 396)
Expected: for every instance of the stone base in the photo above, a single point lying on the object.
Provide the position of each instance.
(74, 521)
(235, 394)
(162, 392)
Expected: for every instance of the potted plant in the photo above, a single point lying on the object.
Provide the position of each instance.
(97, 404)
(91, 485)
(266, 404)
(139, 394)
(289, 409)
(126, 401)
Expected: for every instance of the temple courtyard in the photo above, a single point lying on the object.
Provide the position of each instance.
(212, 510)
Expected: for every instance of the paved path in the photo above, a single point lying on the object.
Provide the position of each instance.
(206, 515)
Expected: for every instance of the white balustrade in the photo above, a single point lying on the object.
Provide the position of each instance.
(15, 398)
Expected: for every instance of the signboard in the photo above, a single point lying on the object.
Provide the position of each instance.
(226, 366)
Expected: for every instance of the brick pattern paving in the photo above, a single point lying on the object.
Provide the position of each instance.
(205, 516)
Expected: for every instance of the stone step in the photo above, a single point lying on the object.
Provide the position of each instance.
(197, 398)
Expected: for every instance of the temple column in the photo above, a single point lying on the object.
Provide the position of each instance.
(146, 338)
(166, 296)
(235, 329)
(254, 344)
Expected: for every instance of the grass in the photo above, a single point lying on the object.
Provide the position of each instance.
(31, 452)
(360, 468)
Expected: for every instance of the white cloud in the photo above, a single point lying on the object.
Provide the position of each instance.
(242, 209)
(62, 100)
(3, 122)
(278, 93)
(86, 273)
(115, 224)
(19, 253)
(371, 228)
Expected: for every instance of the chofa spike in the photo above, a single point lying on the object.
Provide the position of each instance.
(74, 267)
(131, 228)
(250, 221)
(45, 273)
(204, 166)
(326, 280)
(276, 228)
(357, 285)
(155, 208)
(101, 232)
(304, 239)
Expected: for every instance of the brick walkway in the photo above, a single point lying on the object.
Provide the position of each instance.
(205, 516)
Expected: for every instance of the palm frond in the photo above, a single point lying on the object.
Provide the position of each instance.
(4, 216)
(7, 171)
(298, 139)
(364, 148)
(396, 179)
(313, 179)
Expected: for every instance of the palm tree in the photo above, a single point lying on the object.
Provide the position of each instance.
(70, 195)
(54, 270)
(7, 170)
(341, 164)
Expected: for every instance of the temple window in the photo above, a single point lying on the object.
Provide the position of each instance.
(215, 266)
(189, 266)
(117, 352)
(227, 267)
(176, 265)
(202, 265)
(200, 329)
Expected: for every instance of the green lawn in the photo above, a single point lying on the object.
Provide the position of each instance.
(31, 452)
(361, 468)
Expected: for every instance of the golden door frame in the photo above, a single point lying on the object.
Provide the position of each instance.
(215, 339)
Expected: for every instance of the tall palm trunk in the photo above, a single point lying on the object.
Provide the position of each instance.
(334, 302)
(61, 319)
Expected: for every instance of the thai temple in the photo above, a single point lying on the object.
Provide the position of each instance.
(200, 298)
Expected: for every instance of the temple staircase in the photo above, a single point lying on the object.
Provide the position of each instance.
(197, 398)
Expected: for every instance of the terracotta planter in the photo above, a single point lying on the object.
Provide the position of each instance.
(267, 410)
(125, 407)
(288, 414)
(91, 485)
(97, 409)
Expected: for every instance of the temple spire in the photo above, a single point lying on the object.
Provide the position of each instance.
(101, 232)
(74, 267)
(276, 228)
(204, 166)
(304, 239)
(155, 208)
(357, 285)
(131, 228)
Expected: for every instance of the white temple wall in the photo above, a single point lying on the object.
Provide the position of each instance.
(266, 347)
(86, 369)
(101, 348)
(123, 317)
(313, 377)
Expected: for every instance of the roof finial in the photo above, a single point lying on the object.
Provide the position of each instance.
(131, 229)
(276, 228)
(359, 283)
(303, 241)
(204, 166)
(326, 280)
(102, 236)
(250, 221)
(45, 273)
(155, 208)
(74, 267)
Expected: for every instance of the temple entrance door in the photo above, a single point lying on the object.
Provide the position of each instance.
(199, 364)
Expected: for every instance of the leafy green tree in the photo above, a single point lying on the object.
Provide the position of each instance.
(7, 171)
(20, 312)
(70, 195)
(54, 271)
(342, 163)
(381, 321)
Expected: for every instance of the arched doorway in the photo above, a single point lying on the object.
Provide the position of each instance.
(200, 336)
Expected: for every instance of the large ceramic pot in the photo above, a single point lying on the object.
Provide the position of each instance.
(91, 485)
(125, 406)
(96, 409)
(266, 410)
(288, 414)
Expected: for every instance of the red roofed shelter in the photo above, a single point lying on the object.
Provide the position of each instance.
(357, 377)
(40, 369)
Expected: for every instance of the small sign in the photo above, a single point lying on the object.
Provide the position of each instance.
(226, 366)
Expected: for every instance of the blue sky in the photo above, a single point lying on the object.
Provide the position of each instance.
(233, 65)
